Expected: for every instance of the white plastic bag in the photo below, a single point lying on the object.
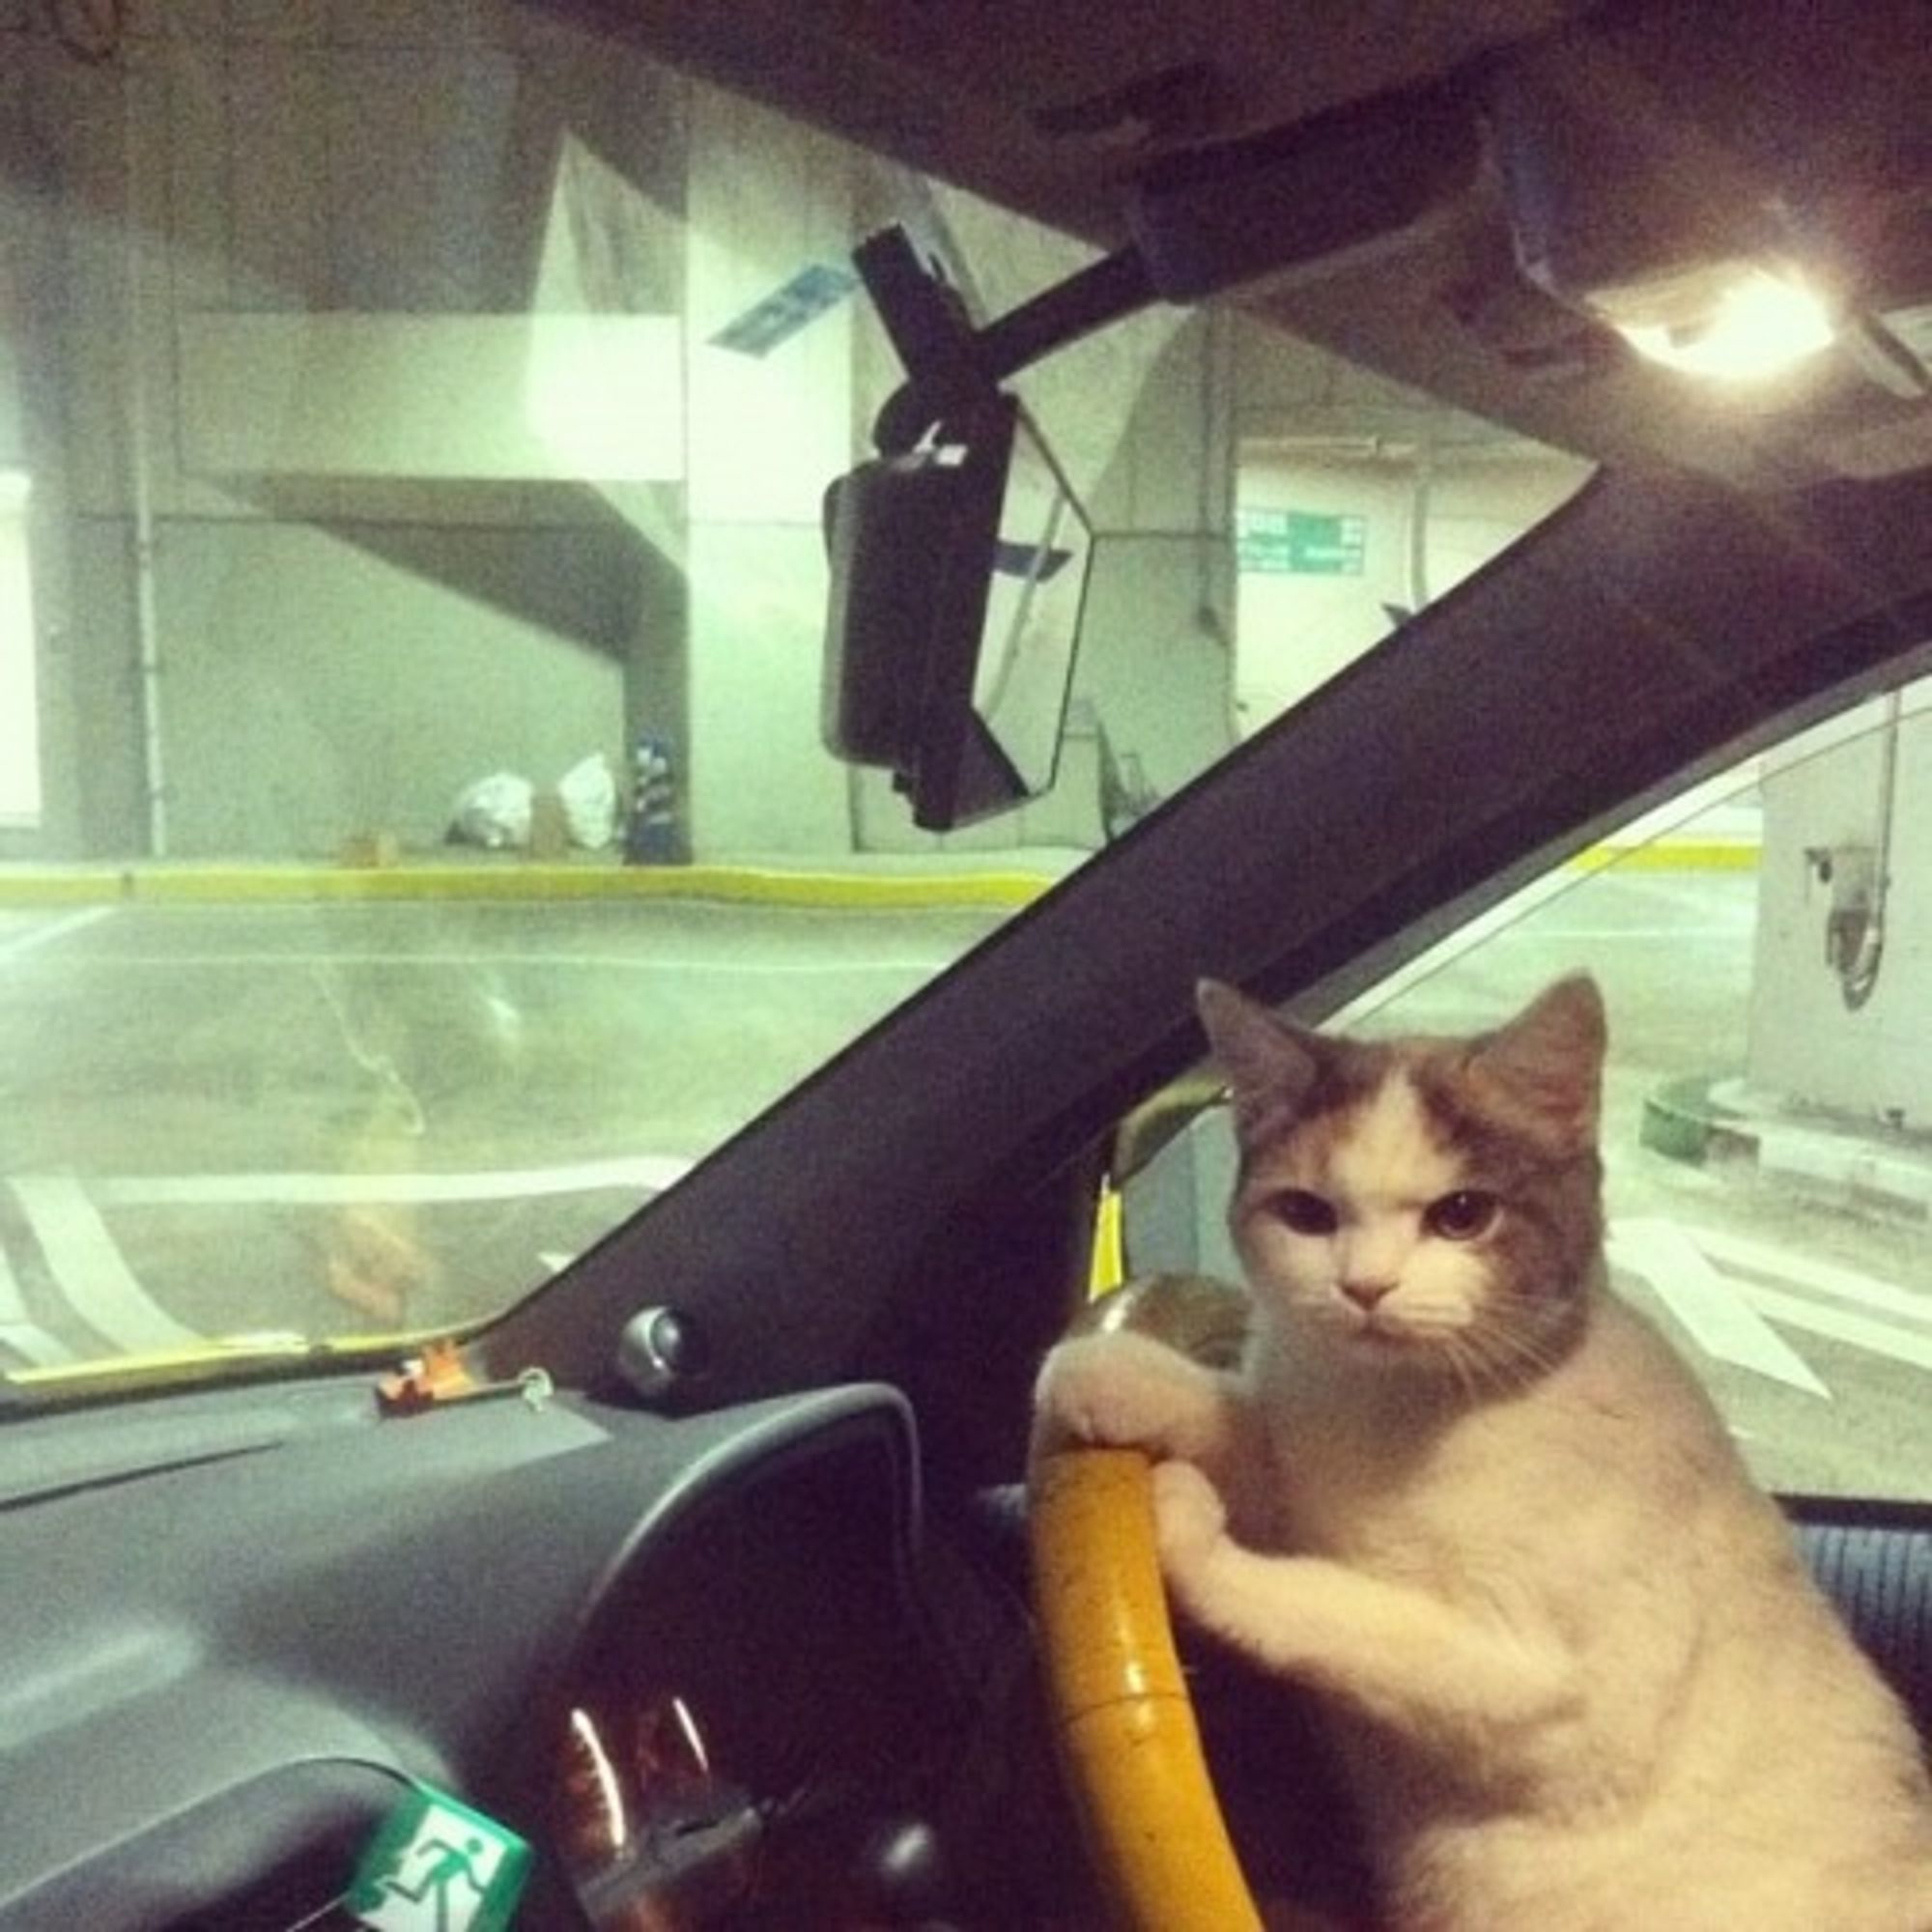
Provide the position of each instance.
(495, 811)
(589, 790)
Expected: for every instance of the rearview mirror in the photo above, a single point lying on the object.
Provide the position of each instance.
(959, 580)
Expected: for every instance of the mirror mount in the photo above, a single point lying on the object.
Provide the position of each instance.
(1201, 221)
(950, 364)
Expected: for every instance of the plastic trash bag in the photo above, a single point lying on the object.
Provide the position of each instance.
(589, 790)
(493, 812)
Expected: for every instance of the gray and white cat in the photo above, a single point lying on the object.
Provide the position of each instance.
(1576, 1672)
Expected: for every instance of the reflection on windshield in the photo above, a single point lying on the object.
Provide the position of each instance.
(416, 846)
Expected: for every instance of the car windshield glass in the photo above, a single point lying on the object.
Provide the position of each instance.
(417, 843)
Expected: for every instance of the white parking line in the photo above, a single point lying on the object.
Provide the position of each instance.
(1713, 1310)
(1728, 1315)
(1862, 1331)
(648, 1174)
(97, 1284)
(56, 928)
(18, 1330)
(712, 965)
(1782, 1269)
(88, 1269)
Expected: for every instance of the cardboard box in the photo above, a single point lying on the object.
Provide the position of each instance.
(363, 850)
(550, 829)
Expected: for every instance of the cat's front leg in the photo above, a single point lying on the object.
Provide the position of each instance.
(1452, 1680)
(1129, 1391)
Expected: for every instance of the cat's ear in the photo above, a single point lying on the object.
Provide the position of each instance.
(1270, 1064)
(1549, 1059)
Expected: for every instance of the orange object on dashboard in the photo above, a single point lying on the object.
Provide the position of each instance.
(439, 1374)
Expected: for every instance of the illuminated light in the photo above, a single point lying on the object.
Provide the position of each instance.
(1733, 322)
(583, 1728)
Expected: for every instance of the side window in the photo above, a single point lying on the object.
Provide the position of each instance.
(1765, 950)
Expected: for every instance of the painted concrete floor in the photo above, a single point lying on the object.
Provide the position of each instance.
(218, 1121)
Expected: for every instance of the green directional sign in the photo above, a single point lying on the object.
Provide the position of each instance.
(1300, 543)
(439, 1866)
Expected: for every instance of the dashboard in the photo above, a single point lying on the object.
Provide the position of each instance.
(719, 1671)
(763, 1720)
(715, 1669)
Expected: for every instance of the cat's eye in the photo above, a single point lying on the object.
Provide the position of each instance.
(1301, 1212)
(1463, 1215)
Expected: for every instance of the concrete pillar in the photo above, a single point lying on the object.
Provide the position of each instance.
(766, 199)
(1845, 835)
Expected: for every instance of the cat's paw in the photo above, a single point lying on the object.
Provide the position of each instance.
(1116, 1391)
(1190, 1520)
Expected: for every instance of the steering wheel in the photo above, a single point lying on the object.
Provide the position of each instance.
(1129, 1746)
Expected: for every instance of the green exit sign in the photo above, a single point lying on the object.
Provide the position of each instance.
(1298, 543)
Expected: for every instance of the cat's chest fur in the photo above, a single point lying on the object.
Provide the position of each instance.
(1601, 1515)
(1613, 1449)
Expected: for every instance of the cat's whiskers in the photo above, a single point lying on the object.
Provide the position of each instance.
(1463, 1366)
(1513, 1357)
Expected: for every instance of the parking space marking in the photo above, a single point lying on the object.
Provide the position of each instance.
(93, 1278)
(95, 1282)
(1712, 1309)
(19, 1331)
(1840, 1325)
(1726, 1290)
(1780, 1270)
(650, 1174)
(711, 965)
(21, 944)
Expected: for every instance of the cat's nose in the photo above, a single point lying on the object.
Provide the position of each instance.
(1366, 1294)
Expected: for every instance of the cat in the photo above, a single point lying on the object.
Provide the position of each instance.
(1574, 1670)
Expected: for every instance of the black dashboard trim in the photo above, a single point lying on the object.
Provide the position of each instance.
(375, 1595)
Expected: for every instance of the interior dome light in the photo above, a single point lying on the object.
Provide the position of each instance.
(1728, 321)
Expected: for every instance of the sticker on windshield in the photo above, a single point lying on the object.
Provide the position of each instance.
(435, 1865)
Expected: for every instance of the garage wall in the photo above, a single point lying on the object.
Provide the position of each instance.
(179, 574)
(209, 541)
(19, 746)
(1415, 520)
(285, 625)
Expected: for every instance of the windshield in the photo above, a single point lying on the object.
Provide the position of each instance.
(418, 846)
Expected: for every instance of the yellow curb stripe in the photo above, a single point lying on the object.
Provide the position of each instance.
(741, 885)
(1673, 855)
(230, 885)
(40, 886)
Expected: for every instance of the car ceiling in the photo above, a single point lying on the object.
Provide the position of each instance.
(1048, 106)
(1065, 112)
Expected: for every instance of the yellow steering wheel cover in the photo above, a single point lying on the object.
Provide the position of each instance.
(1126, 1727)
